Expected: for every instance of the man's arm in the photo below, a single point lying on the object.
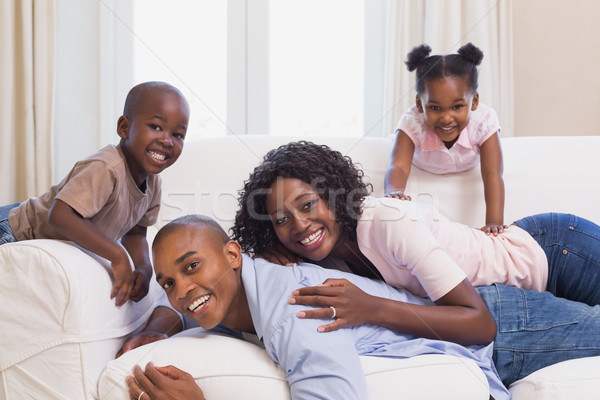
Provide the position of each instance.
(163, 322)
(317, 365)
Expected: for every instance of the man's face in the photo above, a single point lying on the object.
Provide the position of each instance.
(199, 274)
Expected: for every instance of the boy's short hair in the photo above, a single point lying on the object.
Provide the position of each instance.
(133, 99)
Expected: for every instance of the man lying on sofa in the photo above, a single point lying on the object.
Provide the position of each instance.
(207, 278)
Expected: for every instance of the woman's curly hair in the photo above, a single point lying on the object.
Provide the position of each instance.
(332, 175)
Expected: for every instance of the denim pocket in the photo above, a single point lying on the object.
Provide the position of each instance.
(515, 309)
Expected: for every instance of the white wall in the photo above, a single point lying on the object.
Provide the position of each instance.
(557, 79)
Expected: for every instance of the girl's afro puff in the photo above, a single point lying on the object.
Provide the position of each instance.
(417, 56)
(471, 53)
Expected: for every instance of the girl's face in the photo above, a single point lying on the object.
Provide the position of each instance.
(301, 219)
(447, 104)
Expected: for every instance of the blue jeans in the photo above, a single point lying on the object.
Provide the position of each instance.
(572, 246)
(537, 329)
(6, 233)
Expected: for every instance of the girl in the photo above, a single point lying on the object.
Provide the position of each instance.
(312, 201)
(448, 130)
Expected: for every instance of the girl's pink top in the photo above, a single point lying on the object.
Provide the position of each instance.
(430, 152)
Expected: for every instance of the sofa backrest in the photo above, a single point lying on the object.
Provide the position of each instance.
(541, 174)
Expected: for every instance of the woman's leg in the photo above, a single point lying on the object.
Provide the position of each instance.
(537, 329)
(572, 246)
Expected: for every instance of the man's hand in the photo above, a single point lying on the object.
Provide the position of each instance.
(140, 339)
(162, 383)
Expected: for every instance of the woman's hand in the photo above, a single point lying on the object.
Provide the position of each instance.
(279, 254)
(162, 383)
(352, 305)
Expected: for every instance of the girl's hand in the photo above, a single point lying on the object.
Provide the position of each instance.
(352, 305)
(162, 383)
(494, 229)
(279, 254)
(398, 195)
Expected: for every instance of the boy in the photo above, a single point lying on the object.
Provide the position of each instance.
(206, 277)
(115, 193)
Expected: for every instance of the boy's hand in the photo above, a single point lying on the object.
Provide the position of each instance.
(141, 282)
(123, 281)
(398, 195)
(493, 229)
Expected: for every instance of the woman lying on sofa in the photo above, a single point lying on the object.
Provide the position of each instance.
(312, 201)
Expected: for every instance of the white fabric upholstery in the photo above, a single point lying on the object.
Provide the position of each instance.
(60, 329)
(226, 368)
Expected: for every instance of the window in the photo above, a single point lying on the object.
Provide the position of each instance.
(282, 67)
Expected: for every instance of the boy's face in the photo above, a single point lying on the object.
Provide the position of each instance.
(152, 139)
(446, 105)
(201, 276)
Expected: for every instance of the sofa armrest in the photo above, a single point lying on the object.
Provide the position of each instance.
(54, 294)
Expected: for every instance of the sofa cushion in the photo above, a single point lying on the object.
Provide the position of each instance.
(229, 368)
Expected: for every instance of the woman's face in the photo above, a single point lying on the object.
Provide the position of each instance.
(301, 219)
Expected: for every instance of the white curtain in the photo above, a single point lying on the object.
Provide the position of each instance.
(27, 69)
(446, 25)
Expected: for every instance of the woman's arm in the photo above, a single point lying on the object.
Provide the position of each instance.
(460, 316)
(493, 185)
(398, 170)
(71, 225)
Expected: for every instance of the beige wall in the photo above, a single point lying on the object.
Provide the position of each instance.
(557, 74)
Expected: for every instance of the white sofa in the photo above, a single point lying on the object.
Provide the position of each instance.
(60, 330)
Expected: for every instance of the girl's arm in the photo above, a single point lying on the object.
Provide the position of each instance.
(398, 170)
(493, 185)
(460, 316)
(71, 225)
(136, 245)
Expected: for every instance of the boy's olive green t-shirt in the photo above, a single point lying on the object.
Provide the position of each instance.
(101, 189)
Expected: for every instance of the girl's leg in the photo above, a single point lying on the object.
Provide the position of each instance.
(535, 330)
(572, 246)
(6, 233)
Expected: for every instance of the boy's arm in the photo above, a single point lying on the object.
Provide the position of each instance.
(398, 170)
(493, 185)
(81, 231)
(136, 245)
